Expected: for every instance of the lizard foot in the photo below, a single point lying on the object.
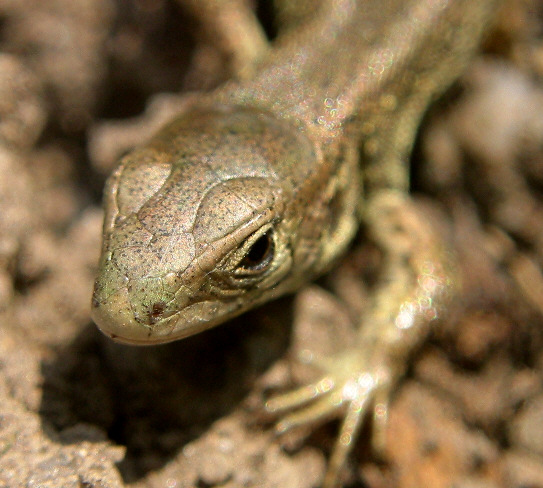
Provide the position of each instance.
(414, 286)
(354, 385)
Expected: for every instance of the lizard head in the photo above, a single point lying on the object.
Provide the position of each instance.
(200, 225)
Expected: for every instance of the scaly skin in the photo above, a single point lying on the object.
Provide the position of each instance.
(263, 183)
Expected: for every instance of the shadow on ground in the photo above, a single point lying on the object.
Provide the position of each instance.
(154, 400)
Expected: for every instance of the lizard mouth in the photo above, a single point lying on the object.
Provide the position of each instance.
(116, 319)
(134, 342)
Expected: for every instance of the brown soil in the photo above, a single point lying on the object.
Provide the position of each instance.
(79, 411)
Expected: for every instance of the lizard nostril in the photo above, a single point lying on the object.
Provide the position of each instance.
(156, 312)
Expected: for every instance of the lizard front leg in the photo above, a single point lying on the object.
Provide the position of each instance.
(416, 283)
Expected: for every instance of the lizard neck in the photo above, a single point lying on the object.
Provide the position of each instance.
(369, 44)
(371, 65)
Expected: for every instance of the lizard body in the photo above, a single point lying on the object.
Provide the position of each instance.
(262, 184)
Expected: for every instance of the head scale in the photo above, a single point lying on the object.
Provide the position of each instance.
(199, 224)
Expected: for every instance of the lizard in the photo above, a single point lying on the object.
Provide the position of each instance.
(261, 185)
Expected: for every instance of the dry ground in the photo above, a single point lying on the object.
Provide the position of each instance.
(79, 411)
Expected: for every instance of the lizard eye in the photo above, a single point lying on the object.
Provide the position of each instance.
(259, 255)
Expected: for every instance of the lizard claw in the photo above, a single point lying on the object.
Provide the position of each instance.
(340, 392)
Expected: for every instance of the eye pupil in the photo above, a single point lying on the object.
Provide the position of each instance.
(260, 254)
